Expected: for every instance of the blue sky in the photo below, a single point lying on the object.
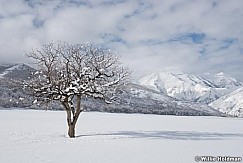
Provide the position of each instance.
(193, 36)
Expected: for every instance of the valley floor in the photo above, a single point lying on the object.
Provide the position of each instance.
(40, 136)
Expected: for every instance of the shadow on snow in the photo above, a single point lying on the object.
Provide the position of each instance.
(172, 135)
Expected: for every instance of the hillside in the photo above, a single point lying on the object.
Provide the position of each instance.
(134, 99)
(231, 103)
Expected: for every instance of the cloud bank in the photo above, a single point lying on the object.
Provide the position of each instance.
(189, 35)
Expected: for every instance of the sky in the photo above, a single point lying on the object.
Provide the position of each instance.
(193, 36)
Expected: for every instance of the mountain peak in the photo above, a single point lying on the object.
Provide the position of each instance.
(220, 74)
(223, 80)
(191, 87)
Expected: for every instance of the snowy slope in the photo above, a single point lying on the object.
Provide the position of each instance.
(4, 70)
(183, 86)
(223, 80)
(231, 103)
(39, 136)
(15, 71)
(139, 99)
(143, 92)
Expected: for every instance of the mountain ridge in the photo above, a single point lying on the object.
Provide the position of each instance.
(187, 87)
(135, 98)
(231, 103)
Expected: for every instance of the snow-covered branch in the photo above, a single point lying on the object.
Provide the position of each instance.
(67, 72)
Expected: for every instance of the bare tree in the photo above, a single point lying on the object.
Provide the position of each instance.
(67, 73)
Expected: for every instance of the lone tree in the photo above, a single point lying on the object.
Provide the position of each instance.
(69, 72)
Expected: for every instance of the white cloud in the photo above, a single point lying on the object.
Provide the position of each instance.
(193, 36)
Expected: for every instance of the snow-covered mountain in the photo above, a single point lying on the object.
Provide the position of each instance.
(134, 99)
(139, 99)
(183, 86)
(15, 71)
(173, 93)
(231, 103)
(221, 91)
(222, 80)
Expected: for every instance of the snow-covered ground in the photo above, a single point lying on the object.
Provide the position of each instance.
(40, 136)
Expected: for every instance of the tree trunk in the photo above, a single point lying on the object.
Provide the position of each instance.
(71, 131)
(72, 116)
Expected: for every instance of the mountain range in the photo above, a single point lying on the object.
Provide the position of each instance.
(173, 93)
(188, 87)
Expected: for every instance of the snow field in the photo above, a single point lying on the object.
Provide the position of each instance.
(40, 136)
